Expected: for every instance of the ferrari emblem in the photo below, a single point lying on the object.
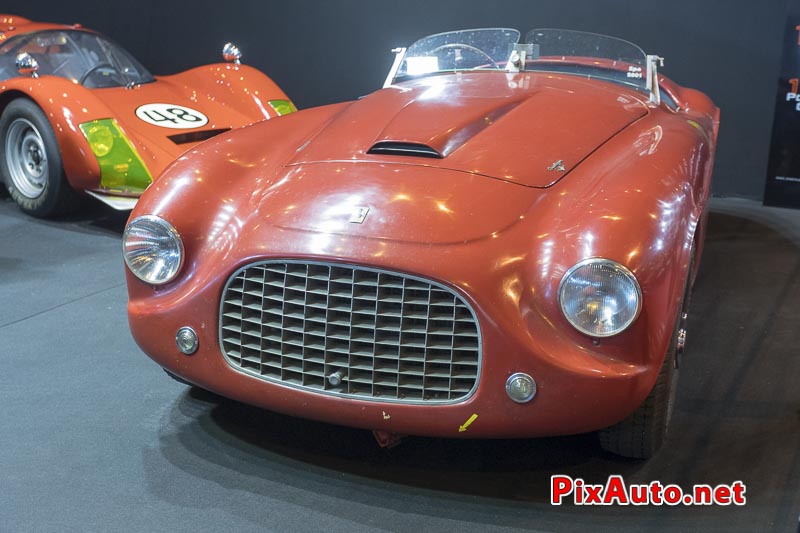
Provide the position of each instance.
(558, 165)
(359, 214)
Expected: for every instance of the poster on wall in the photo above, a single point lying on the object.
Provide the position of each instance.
(783, 173)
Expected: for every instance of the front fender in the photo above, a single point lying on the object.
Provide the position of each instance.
(66, 105)
(244, 88)
(637, 200)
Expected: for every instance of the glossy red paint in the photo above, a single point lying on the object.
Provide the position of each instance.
(488, 220)
(230, 95)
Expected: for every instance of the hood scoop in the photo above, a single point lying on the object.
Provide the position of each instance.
(404, 149)
(417, 129)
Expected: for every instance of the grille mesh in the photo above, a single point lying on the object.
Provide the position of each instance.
(386, 335)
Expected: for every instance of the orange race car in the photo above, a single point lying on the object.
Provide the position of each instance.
(79, 113)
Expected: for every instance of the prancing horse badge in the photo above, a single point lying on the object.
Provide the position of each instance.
(359, 214)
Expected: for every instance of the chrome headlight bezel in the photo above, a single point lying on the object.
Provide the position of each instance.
(614, 267)
(166, 230)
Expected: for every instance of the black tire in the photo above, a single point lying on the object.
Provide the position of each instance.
(30, 162)
(178, 379)
(641, 434)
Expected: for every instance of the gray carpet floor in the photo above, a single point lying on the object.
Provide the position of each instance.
(95, 437)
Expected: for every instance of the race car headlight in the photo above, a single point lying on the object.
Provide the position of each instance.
(153, 249)
(121, 168)
(282, 107)
(100, 138)
(600, 297)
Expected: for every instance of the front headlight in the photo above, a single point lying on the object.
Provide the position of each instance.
(99, 136)
(282, 107)
(153, 249)
(121, 168)
(600, 297)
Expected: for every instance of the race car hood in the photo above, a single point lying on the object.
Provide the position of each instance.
(528, 128)
(158, 144)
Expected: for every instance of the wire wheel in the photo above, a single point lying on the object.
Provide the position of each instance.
(26, 158)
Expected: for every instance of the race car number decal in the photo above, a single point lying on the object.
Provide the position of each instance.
(171, 116)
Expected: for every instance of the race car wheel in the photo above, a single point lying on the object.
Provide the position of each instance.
(31, 165)
(641, 434)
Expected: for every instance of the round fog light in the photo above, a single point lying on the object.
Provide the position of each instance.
(186, 339)
(520, 387)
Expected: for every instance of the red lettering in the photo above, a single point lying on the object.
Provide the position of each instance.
(615, 490)
(593, 494)
(672, 494)
(578, 497)
(722, 495)
(639, 495)
(655, 493)
(738, 493)
(560, 486)
(702, 495)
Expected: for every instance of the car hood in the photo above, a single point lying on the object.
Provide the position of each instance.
(157, 145)
(406, 203)
(528, 128)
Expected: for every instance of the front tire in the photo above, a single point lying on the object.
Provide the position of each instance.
(31, 165)
(178, 379)
(641, 434)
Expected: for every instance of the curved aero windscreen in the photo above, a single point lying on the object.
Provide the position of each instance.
(479, 49)
(79, 56)
(588, 54)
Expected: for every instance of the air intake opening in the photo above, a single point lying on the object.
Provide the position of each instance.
(196, 136)
(406, 149)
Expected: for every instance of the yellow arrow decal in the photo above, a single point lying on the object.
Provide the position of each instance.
(469, 421)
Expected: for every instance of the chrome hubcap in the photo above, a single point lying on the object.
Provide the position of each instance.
(26, 158)
(680, 342)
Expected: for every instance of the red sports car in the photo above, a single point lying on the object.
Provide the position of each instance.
(79, 114)
(498, 243)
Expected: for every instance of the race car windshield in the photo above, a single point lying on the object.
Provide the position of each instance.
(479, 49)
(588, 54)
(82, 57)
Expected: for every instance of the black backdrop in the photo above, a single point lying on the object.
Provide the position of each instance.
(322, 51)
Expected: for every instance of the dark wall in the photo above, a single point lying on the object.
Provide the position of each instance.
(326, 51)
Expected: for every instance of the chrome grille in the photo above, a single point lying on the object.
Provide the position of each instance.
(386, 336)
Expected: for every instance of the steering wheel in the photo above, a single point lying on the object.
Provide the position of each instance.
(95, 69)
(467, 47)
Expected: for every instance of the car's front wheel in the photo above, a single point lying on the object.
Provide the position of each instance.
(31, 165)
(641, 434)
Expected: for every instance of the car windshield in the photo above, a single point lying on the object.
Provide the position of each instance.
(571, 52)
(588, 54)
(481, 49)
(79, 56)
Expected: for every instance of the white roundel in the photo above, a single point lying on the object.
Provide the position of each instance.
(171, 116)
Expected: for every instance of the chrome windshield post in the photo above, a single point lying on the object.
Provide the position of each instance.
(653, 62)
(398, 58)
(520, 53)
